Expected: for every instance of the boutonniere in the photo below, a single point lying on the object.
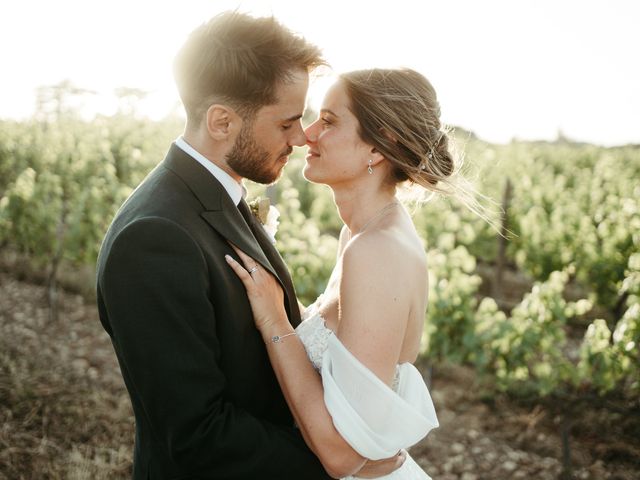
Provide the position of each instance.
(267, 215)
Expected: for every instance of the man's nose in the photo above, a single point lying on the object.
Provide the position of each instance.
(299, 139)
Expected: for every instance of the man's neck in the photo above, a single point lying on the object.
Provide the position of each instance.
(234, 188)
(212, 154)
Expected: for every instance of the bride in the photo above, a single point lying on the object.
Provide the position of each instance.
(346, 371)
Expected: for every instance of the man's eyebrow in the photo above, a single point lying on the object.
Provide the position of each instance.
(293, 118)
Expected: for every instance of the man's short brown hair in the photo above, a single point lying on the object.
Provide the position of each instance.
(239, 60)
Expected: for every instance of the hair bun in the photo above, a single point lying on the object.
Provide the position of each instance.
(438, 162)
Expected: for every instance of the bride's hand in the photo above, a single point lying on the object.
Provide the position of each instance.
(265, 293)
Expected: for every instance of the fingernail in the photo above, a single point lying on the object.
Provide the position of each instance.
(228, 258)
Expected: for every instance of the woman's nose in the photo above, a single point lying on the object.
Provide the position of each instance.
(311, 132)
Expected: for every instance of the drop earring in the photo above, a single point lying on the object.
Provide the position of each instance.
(370, 168)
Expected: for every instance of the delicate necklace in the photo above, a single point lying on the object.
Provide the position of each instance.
(378, 215)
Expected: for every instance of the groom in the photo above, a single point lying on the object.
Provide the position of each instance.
(206, 401)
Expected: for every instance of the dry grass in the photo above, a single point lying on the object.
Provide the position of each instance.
(64, 412)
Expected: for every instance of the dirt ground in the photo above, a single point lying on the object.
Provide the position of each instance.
(64, 412)
(499, 439)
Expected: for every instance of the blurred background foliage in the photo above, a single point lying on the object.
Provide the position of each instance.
(571, 210)
(550, 312)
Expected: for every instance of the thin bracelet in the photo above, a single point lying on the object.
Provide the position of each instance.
(278, 338)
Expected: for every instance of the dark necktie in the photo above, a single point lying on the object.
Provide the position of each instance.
(291, 303)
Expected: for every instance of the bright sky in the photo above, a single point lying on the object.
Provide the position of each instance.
(502, 68)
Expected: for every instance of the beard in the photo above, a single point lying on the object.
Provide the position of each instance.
(251, 161)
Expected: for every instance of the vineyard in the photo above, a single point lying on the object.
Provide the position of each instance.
(546, 315)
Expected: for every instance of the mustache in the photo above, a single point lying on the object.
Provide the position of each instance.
(286, 152)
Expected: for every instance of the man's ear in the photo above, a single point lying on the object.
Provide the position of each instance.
(222, 122)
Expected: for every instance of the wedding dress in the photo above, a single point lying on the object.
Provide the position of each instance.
(376, 420)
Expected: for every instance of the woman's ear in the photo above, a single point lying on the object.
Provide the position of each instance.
(375, 156)
(222, 122)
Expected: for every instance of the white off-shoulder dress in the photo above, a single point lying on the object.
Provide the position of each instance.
(375, 419)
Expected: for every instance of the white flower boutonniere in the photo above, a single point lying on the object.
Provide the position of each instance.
(267, 215)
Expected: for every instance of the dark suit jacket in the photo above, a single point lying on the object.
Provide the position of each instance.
(206, 401)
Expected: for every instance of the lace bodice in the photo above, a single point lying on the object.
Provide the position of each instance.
(314, 334)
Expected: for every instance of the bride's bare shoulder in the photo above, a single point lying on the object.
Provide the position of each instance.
(385, 252)
(379, 282)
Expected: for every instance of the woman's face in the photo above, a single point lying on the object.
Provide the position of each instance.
(336, 152)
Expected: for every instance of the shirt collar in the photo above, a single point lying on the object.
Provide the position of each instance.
(235, 189)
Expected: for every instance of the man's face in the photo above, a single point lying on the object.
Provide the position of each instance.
(264, 143)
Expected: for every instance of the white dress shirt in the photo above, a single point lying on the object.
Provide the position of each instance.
(235, 189)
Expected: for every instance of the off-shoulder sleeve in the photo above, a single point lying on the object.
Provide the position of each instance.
(374, 419)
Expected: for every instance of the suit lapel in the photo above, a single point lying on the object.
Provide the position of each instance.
(219, 211)
(233, 227)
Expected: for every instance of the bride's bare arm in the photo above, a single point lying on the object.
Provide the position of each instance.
(370, 315)
(300, 383)
(302, 388)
